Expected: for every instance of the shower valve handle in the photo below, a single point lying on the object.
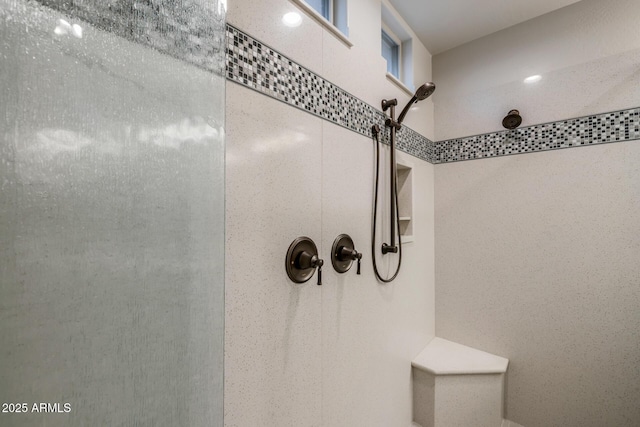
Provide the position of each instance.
(352, 254)
(318, 264)
(343, 253)
(302, 260)
(309, 260)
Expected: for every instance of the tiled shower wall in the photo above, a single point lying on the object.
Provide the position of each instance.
(256, 65)
(324, 120)
(288, 344)
(604, 128)
(537, 254)
(303, 354)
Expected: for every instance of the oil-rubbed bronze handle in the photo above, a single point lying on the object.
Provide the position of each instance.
(343, 254)
(346, 253)
(352, 254)
(320, 263)
(309, 260)
(302, 260)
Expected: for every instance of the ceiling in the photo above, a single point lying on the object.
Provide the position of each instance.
(445, 24)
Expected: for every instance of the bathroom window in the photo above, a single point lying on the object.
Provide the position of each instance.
(332, 14)
(323, 7)
(391, 52)
(397, 48)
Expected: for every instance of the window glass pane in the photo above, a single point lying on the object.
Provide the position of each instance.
(321, 6)
(390, 53)
(340, 16)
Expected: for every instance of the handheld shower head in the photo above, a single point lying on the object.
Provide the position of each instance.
(423, 92)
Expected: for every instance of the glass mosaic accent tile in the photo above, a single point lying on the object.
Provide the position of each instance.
(259, 67)
(623, 125)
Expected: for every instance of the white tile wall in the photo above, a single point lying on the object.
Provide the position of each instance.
(273, 327)
(339, 354)
(369, 329)
(535, 254)
(263, 20)
(537, 261)
(587, 53)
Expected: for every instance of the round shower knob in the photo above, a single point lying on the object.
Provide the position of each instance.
(302, 260)
(343, 253)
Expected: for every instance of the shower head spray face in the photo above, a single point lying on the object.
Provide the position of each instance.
(513, 120)
(422, 93)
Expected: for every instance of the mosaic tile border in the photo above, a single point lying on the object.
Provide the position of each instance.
(259, 67)
(255, 65)
(616, 126)
(196, 37)
(188, 30)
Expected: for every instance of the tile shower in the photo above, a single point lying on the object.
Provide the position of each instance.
(124, 176)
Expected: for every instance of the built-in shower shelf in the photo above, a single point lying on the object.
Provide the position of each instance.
(404, 221)
(405, 201)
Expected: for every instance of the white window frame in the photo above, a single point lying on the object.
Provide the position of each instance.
(337, 23)
(395, 27)
(329, 4)
(394, 38)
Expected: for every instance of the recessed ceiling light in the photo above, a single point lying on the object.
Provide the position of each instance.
(292, 19)
(533, 79)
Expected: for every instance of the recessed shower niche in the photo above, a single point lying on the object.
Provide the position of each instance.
(405, 200)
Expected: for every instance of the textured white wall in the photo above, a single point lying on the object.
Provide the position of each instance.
(588, 54)
(300, 354)
(537, 254)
